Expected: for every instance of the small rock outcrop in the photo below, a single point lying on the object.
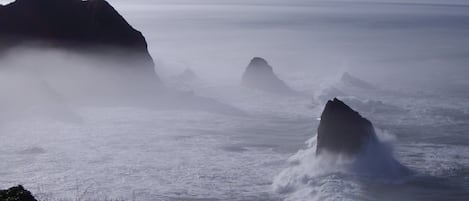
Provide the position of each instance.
(343, 130)
(350, 80)
(89, 27)
(187, 76)
(260, 75)
(17, 193)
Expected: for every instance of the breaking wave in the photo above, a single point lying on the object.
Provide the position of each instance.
(338, 177)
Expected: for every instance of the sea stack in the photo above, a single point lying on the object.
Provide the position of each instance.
(343, 130)
(260, 75)
(88, 27)
(17, 193)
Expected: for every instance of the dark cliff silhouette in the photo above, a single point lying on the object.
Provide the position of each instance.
(343, 130)
(260, 75)
(89, 27)
(17, 193)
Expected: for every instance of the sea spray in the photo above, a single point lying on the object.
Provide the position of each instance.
(337, 177)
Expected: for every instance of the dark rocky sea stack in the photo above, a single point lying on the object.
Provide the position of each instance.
(343, 130)
(17, 193)
(260, 75)
(89, 27)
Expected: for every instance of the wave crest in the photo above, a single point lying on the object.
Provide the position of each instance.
(338, 177)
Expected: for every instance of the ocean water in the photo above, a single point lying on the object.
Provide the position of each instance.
(414, 54)
(142, 154)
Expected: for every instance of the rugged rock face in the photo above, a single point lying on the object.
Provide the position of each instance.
(92, 26)
(343, 130)
(260, 75)
(17, 193)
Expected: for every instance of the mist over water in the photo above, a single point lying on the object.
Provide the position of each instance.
(382, 41)
(80, 126)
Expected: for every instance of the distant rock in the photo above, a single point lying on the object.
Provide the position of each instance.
(187, 76)
(349, 80)
(87, 27)
(372, 106)
(32, 151)
(260, 75)
(17, 193)
(343, 130)
(186, 81)
(328, 93)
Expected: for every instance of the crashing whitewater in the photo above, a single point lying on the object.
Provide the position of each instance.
(337, 177)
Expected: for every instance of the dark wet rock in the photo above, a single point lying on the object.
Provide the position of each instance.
(349, 80)
(260, 75)
(343, 130)
(17, 193)
(88, 27)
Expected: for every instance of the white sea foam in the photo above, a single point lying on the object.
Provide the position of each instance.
(336, 177)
